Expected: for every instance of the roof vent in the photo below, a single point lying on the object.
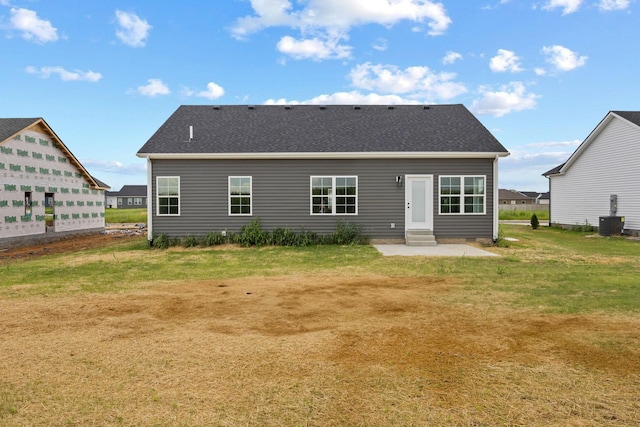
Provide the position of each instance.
(390, 107)
(323, 107)
(216, 107)
(356, 107)
(190, 133)
(251, 107)
(425, 107)
(287, 107)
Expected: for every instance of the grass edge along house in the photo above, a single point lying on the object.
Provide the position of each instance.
(45, 192)
(412, 174)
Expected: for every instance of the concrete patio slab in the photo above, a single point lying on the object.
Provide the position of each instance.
(439, 250)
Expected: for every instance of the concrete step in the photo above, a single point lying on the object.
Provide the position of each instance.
(420, 238)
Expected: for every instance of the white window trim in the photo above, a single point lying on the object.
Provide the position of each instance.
(462, 195)
(333, 195)
(250, 195)
(158, 196)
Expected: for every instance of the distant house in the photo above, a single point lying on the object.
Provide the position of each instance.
(601, 177)
(513, 197)
(129, 197)
(45, 192)
(401, 172)
(537, 198)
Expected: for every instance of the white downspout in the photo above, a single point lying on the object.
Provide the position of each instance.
(149, 202)
(496, 206)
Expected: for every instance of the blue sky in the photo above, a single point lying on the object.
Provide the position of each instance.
(105, 75)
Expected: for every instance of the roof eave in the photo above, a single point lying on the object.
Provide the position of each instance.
(346, 155)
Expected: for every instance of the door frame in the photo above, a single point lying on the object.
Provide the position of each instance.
(408, 202)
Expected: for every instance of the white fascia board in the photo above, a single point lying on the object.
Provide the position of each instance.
(354, 155)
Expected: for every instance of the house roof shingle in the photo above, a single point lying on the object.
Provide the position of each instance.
(10, 127)
(13, 126)
(632, 116)
(242, 129)
(129, 191)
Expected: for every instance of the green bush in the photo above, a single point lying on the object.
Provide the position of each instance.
(190, 241)
(161, 242)
(253, 234)
(349, 233)
(585, 228)
(534, 222)
(212, 239)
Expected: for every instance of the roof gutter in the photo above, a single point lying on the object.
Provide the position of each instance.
(346, 155)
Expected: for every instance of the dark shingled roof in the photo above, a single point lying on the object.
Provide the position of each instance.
(9, 127)
(129, 191)
(632, 116)
(242, 129)
(12, 126)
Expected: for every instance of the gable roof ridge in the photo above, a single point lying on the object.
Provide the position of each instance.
(20, 124)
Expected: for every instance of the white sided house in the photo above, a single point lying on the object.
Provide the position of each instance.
(601, 178)
(45, 193)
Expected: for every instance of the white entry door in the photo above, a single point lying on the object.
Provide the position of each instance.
(418, 202)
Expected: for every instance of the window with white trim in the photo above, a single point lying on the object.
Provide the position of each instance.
(240, 195)
(137, 201)
(334, 195)
(168, 195)
(462, 195)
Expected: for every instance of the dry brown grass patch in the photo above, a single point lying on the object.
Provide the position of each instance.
(300, 350)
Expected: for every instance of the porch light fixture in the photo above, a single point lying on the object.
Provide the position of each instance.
(399, 180)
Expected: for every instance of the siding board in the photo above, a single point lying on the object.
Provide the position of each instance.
(281, 195)
(608, 166)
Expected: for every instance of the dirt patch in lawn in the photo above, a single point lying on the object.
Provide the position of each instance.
(300, 350)
(75, 243)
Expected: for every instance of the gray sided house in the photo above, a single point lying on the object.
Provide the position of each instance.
(129, 197)
(398, 171)
(600, 179)
(45, 193)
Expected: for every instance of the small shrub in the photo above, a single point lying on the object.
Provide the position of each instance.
(161, 242)
(585, 228)
(253, 234)
(190, 241)
(534, 222)
(212, 239)
(349, 233)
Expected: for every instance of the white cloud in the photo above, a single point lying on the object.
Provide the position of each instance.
(420, 82)
(380, 45)
(567, 6)
(562, 58)
(451, 57)
(607, 5)
(347, 98)
(525, 165)
(132, 30)
(65, 75)
(507, 99)
(540, 71)
(323, 23)
(32, 27)
(342, 14)
(314, 48)
(213, 91)
(154, 87)
(505, 60)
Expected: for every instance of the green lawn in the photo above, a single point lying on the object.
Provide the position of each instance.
(544, 334)
(548, 269)
(506, 215)
(125, 216)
